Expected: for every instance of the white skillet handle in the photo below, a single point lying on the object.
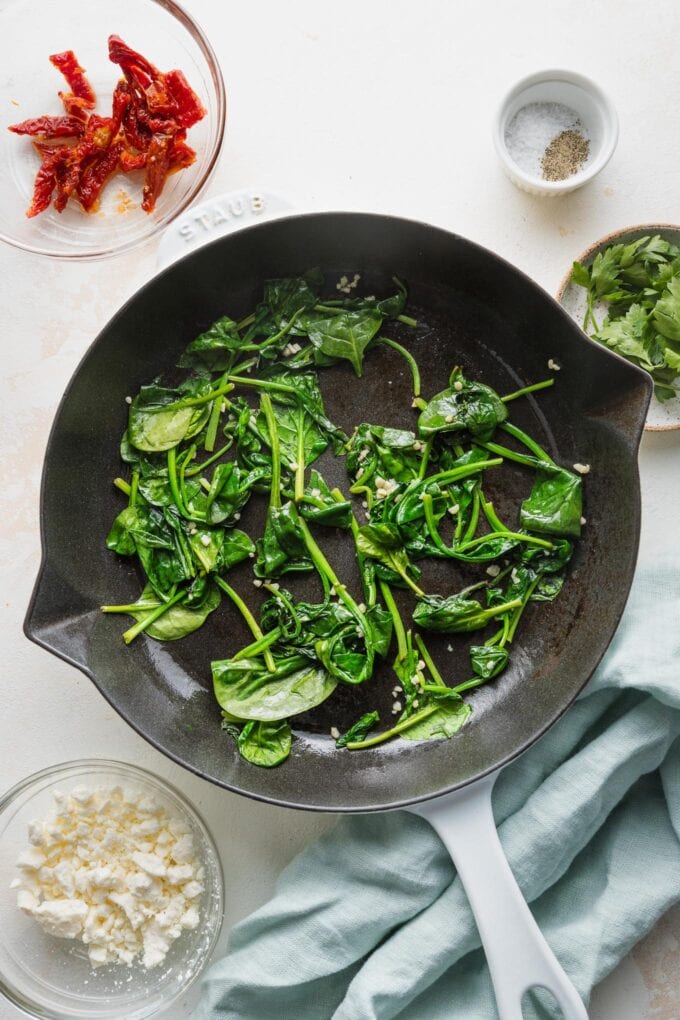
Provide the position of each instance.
(519, 958)
(215, 217)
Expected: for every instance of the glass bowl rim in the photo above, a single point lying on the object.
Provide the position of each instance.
(103, 251)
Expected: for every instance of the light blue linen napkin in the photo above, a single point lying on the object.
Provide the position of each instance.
(371, 921)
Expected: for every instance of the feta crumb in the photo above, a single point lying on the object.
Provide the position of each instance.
(205, 540)
(583, 469)
(396, 707)
(275, 585)
(257, 582)
(361, 607)
(237, 516)
(193, 530)
(223, 406)
(364, 504)
(583, 520)
(252, 555)
(415, 703)
(294, 465)
(553, 366)
(458, 385)
(316, 493)
(128, 400)
(363, 454)
(335, 732)
(493, 570)
(332, 589)
(449, 648)
(455, 509)
(421, 664)
(448, 419)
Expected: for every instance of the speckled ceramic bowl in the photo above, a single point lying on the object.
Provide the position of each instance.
(52, 978)
(661, 417)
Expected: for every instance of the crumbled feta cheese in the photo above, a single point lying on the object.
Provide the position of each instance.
(493, 570)
(237, 516)
(205, 540)
(335, 732)
(583, 469)
(396, 707)
(363, 454)
(421, 664)
(316, 493)
(252, 555)
(193, 530)
(128, 400)
(293, 465)
(455, 509)
(361, 607)
(105, 879)
(449, 648)
(553, 366)
(448, 419)
(257, 582)
(458, 385)
(583, 520)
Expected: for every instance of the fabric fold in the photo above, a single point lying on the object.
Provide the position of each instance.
(371, 922)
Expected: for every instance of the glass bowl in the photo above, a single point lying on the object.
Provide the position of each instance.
(30, 30)
(52, 978)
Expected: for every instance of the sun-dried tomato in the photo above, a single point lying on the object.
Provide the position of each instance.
(96, 174)
(68, 65)
(75, 107)
(49, 127)
(190, 109)
(151, 111)
(44, 185)
(123, 55)
(130, 161)
(182, 155)
(157, 170)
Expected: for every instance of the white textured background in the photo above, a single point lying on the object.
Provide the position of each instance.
(382, 106)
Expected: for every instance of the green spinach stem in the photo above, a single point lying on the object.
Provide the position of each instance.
(154, 615)
(410, 360)
(406, 724)
(528, 389)
(268, 411)
(250, 620)
(399, 632)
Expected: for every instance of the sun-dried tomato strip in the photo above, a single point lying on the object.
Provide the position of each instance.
(190, 109)
(123, 55)
(44, 185)
(157, 169)
(49, 127)
(68, 65)
(130, 161)
(96, 174)
(151, 112)
(182, 155)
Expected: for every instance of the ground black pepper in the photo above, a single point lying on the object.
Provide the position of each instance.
(565, 155)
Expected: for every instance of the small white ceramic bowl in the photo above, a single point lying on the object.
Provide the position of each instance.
(594, 110)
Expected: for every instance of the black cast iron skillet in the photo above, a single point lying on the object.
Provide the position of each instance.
(474, 310)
